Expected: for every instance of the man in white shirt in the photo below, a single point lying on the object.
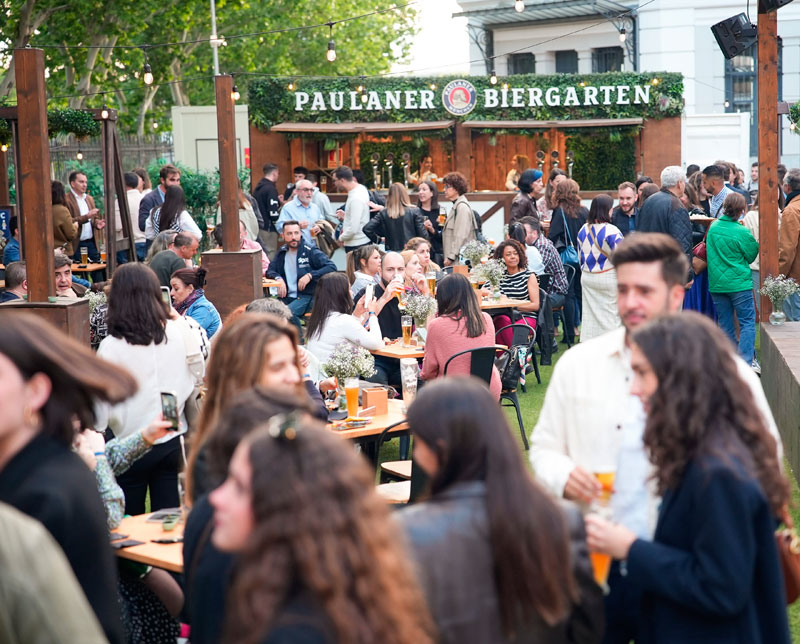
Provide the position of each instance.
(356, 210)
(322, 201)
(133, 187)
(81, 206)
(590, 423)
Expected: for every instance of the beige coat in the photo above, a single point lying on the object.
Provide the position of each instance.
(459, 228)
(65, 229)
(789, 240)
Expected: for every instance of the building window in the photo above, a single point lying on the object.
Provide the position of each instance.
(741, 87)
(522, 64)
(607, 59)
(567, 62)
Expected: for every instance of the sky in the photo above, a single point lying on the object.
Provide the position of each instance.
(442, 44)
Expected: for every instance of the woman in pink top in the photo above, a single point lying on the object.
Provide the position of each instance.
(460, 325)
(248, 244)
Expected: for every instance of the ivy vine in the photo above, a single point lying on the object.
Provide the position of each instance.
(604, 157)
(59, 121)
(271, 102)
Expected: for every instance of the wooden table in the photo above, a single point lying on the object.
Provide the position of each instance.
(703, 221)
(503, 303)
(168, 556)
(379, 423)
(268, 283)
(89, 268)
(397, 350)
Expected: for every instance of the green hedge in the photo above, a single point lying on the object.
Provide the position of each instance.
(65, 121)
(271, 102)
(604, 158)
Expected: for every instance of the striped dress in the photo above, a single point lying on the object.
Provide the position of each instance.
(516, 286)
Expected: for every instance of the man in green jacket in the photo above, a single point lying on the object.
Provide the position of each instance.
(730, 249)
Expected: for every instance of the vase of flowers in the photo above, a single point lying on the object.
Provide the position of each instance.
(491, 272)
(474, 250)
(421, 308)
(348, 360)
(778, 290)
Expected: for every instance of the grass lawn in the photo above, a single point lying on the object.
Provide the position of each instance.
(531, 403)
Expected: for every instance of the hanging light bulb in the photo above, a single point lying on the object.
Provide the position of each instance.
(235, 93)
(505, 85)
(792, 126)
(364, 97)
(519, 5)
(290, 86)
(104, 112)
(147, 74)
(622, 34)
(727, 103)
(331, 55)
(155, 125)
(433, 86)
(493, 78)
(4, 147)
(360, 89)
(655, 81)
(79, 156)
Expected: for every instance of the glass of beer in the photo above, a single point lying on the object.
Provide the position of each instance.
(406, 322)
(103, 256)
(601, 562)
(473, 279)
(431, 277)
(84, 255)
(442, 216)
(351, 394)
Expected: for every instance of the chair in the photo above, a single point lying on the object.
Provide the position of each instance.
(394, 492)
(524, 340)
(545, 279)
(482, 361)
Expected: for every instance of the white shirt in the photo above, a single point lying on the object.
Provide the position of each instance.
(134, 198)
(535, 261)
(185, 223)
(340, 327)
(356, 216)
(582, 422)
(157, 368)
(83, 207)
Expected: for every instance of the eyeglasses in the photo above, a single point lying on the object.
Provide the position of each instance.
(305, 189)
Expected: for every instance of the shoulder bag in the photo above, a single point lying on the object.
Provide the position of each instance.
(789, 553)
(569, 254)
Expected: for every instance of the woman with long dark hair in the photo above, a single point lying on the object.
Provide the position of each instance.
(46, 380)
(172, 215)
(319, 557)
(518, 283)
(459, 325)
(65, 230)
(498, 558)
(333, 319)
(597, 239)
(143, 339)
(545, 205)
(189, 297)
(712, 572)
(432, 213)
(398, 222)
(363, 267)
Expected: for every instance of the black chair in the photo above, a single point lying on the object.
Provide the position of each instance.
(399, 490)
(482, 361)
(545, 279)
(524, 340)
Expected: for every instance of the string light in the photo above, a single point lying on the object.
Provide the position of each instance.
(655, 81)
(519, 6)
(155, 125)
(493, 78)
(364, 97)
(104, 113)
(331, 55)
(79, 156)
(290, 86)
(433, 86)
(727, 103)
(147, 71)
(505, 85)
(4, 147)
(235, 93)
(622, 34)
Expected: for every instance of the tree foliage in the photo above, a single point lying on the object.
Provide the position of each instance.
(184, 73)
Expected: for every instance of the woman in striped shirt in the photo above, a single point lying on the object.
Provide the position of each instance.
(518, 283)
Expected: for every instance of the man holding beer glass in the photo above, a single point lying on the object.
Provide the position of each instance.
(82, 208)
(587, 445)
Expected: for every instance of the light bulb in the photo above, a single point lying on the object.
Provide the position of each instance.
(4, 148)
(331, 55)
(655, 81)
(291, 86)
(519, 5)
(147, 74)
(364, 98)
(792, 126)
(235, 93)
(104, 113)
(727, 103)
(622, 35)
(79, 156)
(505, 85)
(360, 88)
(493, 79)
(155, 125)
(433, 86)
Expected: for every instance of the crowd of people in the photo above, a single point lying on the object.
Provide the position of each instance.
(638, 458)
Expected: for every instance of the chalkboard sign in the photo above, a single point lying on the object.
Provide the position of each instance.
(6, 212)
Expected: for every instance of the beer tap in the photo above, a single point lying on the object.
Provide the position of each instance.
(406, 163)
(389, 166)
(570, 156)
(554, 158)
(375, 160)
(540, 159)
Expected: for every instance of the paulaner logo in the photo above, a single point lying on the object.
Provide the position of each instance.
(459, 97)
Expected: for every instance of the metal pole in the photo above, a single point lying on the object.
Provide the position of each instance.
(214, 40)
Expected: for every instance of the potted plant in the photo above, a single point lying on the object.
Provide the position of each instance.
(778, 290)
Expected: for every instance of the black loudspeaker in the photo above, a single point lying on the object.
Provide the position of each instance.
(773, 5)
(735, 34)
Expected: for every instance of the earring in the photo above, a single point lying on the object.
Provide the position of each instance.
(29, 416)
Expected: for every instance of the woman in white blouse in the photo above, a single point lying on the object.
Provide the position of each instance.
(171, 214)
(333, 319)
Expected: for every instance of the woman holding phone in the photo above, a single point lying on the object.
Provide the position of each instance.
(144, 339)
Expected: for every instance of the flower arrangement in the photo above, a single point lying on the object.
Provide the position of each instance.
(95, 300)
(779, 289)
(492, 272)
(473, 251)
(420, 307)
(348, 360)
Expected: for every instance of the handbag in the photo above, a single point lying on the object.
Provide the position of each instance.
(700, 257)
(789, 552)
(569, 254)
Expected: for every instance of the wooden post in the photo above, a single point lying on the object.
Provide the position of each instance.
(109, 232)
(463, 152)
(767, 148)
(34, 171)
(4, 192)
(228, 187)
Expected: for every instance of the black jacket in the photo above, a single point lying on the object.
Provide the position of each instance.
(435, 237)
(266, 195)
(50, 483)
(151, 200)
(449, 538)
(623, 221)
(309, 260)
(664, 213)
(389, 317)
(398, 231)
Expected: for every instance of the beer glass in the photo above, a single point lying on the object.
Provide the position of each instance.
(601, 562)
(84, 255)
(406, 322)
(431, 277)
(351, 393)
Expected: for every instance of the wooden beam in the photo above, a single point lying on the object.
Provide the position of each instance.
(768, 187)
(122, 194)
(463, 151)
(109, 233)
(34, 171)
(228, 186)
(4, 192)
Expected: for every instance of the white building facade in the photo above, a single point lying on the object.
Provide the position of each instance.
(586, 36)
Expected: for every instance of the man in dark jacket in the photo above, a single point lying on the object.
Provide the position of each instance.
(664, 212)
(298, 266)
(168, 176)
(624, 215)
(266, 194)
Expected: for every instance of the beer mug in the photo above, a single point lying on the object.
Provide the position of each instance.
(406, 321)
(84, 255)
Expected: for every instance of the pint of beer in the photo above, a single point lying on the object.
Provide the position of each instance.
(601, 562)
(351, 394)
(406, 322)
(431, 277)
(84, 255)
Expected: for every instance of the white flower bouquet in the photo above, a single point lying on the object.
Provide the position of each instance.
(349, 360)
(492, 272)
(474, 250)
(95, 300)
(420, 307)
(779, 289)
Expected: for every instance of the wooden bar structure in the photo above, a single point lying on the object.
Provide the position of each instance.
(226, 138)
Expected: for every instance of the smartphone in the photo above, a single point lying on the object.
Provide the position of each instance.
(169, 407)
(165, 295)
(369, 293)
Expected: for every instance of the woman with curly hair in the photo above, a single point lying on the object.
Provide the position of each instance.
(712, 572)
(319, 558)
(459, 227)
(518, 283)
